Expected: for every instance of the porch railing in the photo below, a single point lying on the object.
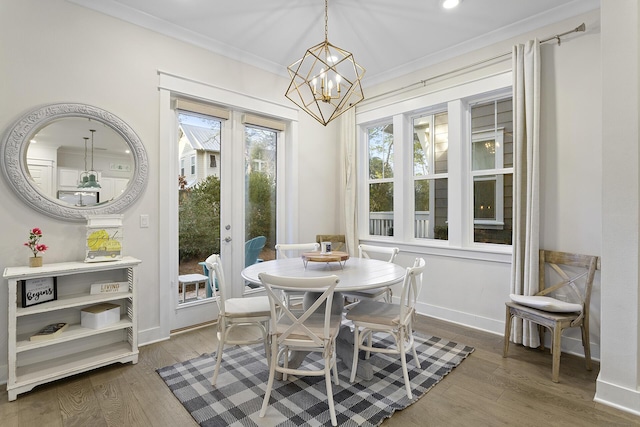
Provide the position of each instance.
(381, 224)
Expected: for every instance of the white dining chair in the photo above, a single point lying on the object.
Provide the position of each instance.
(394, 319)
(379, 252)
(288, 250)
(313, 329)
(236, 313)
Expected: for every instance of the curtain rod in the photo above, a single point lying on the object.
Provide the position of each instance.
(579, 28)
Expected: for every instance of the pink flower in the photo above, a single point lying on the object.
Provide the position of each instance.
(33, 244)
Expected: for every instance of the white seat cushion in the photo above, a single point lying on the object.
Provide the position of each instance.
(315, 323)
(254, 306)
(382, 313)
(368, 293)
(546, 303)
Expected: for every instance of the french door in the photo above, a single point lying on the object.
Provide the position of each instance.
(226, 197)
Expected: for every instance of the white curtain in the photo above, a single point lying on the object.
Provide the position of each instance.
(526, 217)
(348, 143)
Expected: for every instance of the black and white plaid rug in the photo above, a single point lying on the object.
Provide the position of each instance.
(238, 395)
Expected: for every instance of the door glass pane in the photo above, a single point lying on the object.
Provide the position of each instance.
(260, 202)
(198, 198)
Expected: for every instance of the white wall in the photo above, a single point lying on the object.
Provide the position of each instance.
(619, 379)
(470, 286)
(55, 51)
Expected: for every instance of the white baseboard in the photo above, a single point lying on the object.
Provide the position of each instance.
(150, 336)
(618, 397)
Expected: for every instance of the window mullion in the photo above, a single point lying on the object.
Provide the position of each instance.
(458, 192)
(402, 194)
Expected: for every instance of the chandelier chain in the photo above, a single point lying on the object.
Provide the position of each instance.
(92, 131)
(326, 20)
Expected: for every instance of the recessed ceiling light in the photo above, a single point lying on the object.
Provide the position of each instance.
(450, 4)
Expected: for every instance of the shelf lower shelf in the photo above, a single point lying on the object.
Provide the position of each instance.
(70, 302)
(35, 374)
(74, 332)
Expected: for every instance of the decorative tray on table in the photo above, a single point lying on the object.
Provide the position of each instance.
(317, 256)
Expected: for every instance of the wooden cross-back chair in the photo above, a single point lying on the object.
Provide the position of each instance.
(287, 250)
(552, 313)
(338, 241)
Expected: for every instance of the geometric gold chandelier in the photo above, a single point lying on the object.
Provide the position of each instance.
(325, 82)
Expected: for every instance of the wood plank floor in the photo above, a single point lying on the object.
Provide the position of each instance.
(485, 390)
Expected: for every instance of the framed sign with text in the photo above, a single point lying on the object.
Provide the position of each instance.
(37, 291)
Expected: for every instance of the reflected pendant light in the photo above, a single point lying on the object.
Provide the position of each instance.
(89, 178)
(84, 177)
(326, 81)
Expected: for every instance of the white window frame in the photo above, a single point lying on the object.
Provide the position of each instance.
(369, 181)
(458, 99)
(192, 165)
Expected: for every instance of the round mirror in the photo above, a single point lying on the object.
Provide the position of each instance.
(73, 160)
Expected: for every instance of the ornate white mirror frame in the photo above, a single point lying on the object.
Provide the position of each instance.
(13, 155)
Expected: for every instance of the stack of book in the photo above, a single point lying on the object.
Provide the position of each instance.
(49, 332)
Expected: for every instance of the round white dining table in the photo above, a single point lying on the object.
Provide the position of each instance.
(356, 274)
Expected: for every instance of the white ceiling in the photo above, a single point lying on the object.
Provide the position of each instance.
(387, 37)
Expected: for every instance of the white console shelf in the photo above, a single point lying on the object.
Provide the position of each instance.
(77, 349)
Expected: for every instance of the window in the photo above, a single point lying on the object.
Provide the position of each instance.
(492, 171)
(380, 149)
(438, 167)
(430, 147)
(193, 165)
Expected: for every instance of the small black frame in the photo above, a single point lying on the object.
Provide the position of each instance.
(38, 291)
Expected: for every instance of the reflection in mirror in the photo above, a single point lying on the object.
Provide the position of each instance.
(44, 161)
(63, 152)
